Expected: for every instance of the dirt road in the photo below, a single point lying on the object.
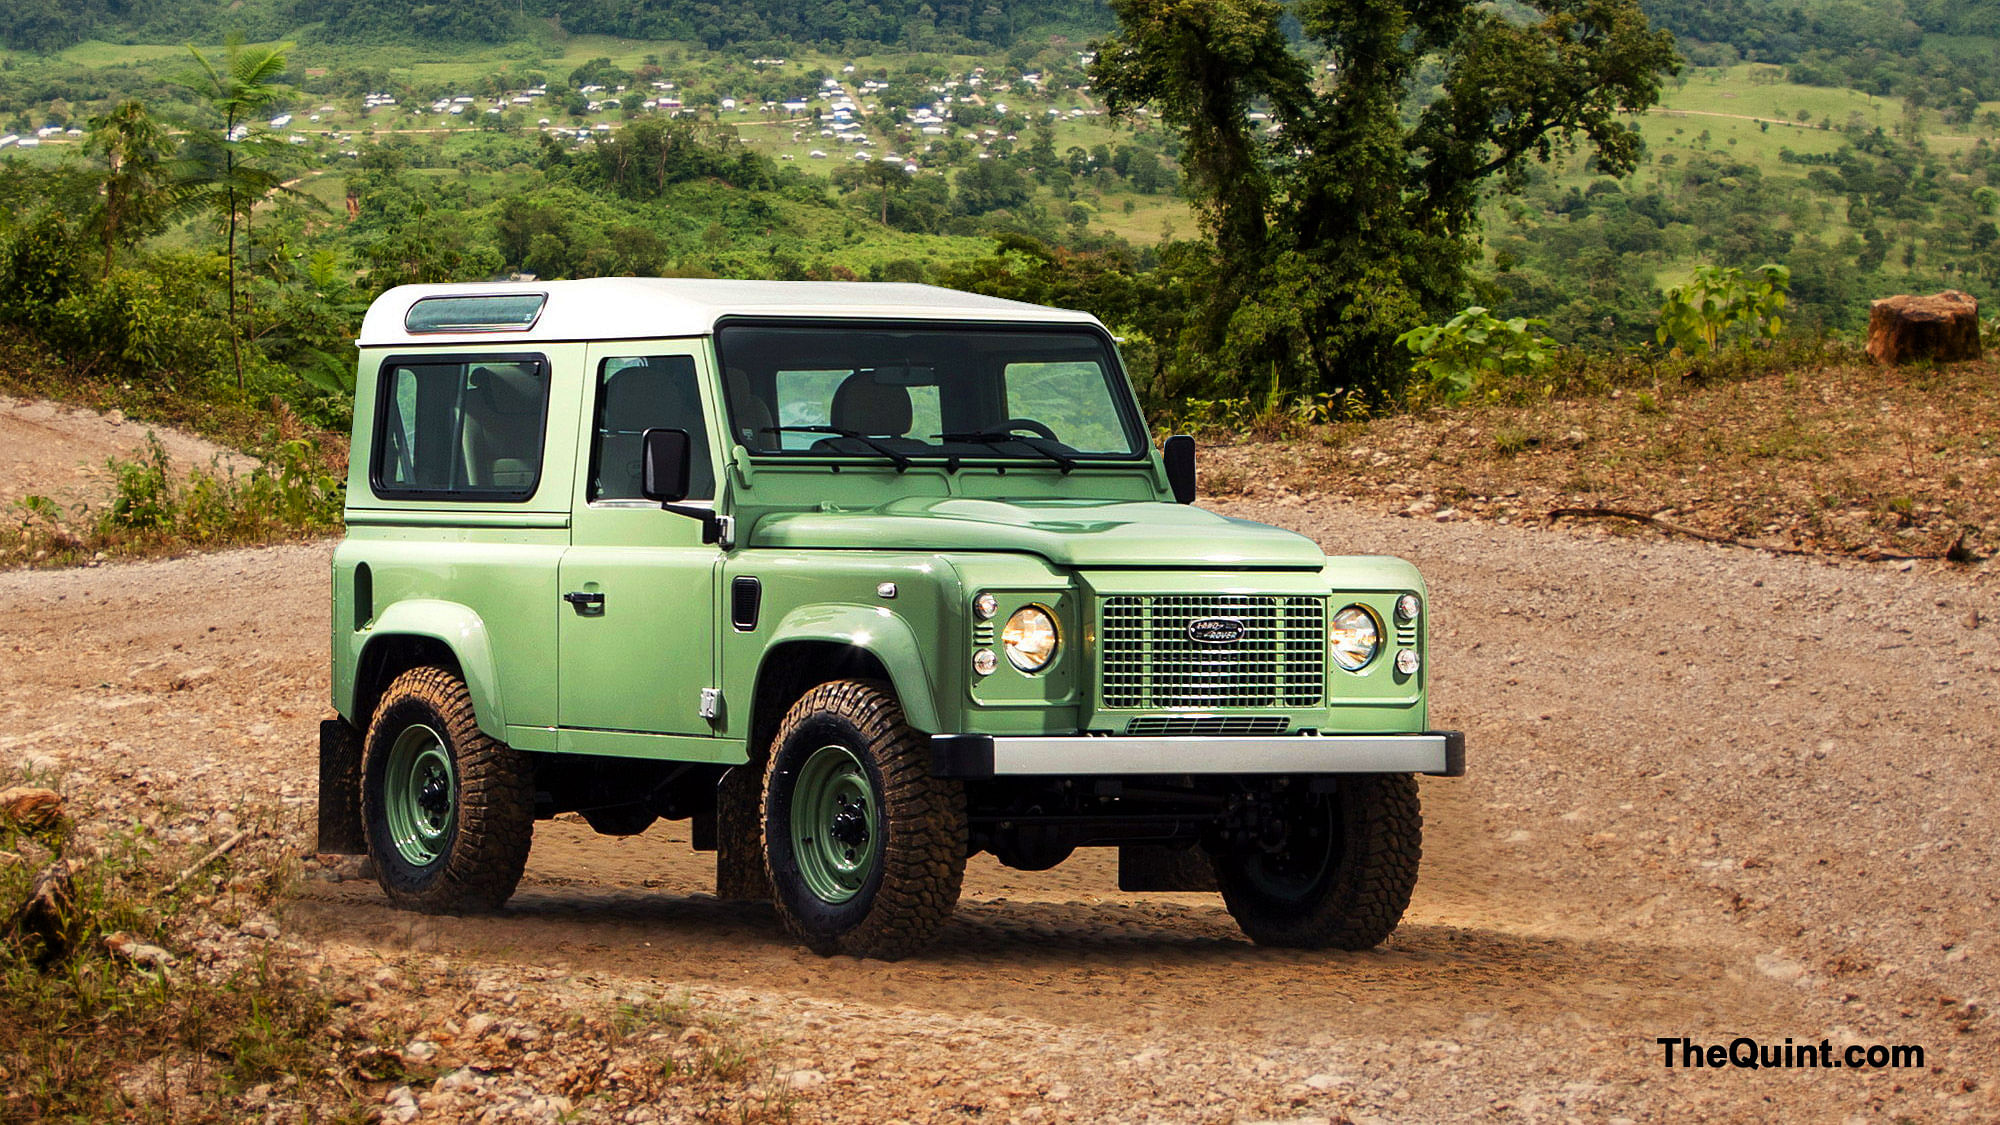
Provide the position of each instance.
(1713, 794)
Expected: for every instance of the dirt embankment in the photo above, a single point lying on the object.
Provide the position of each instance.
(48, 449)
(1713, 794)
(1843, 459)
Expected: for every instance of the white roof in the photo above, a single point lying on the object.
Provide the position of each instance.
(625, 308)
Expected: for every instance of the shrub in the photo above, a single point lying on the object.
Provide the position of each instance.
(1475, 346)
(295, 492)
(1697, 315)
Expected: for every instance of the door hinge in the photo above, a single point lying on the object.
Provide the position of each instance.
(711, 703)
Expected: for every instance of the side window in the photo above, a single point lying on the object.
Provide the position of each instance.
(640, 393)
(461, 428)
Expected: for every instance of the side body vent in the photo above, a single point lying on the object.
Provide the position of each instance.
(745, 595)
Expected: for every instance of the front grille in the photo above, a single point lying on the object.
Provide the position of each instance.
(1208, 725)
(1149, 659)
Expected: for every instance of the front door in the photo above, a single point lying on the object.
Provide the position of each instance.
(637, 642)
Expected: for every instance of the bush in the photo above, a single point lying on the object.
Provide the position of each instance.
(294, 493)
(1697, 315)
(1475, 346)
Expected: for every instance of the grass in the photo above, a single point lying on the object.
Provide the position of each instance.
(97, 53)
(1152, 218)
(230, 1028)
(158, 509)
(88, 1035)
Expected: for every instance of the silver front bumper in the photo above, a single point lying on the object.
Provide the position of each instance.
(1441, 753)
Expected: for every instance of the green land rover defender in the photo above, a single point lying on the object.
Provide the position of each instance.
(862, 580)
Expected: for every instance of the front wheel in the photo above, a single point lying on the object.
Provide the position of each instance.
(864, 848)
(449, 812)
(1336, 869)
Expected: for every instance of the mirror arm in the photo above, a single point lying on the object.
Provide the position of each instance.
(714, 528)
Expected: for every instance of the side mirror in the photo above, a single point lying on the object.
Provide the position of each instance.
(1179, 454)
(666, 464)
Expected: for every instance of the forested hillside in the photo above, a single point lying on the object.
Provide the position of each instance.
(1941, 48)
(1310, 208)
(919, 24)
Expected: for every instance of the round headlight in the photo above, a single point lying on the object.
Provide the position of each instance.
(1356, 638)
(984, 662)
(1407, 607)
(986, 605)
(1407, 662)
(1030, 638)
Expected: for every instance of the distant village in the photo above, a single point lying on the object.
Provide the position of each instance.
(838, 111)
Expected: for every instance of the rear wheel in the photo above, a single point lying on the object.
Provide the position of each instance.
(1336, 869)
(449, 812)
(864, 848)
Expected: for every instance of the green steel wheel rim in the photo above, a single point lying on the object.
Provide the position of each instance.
(419, 795)
(835, 824)
(1310, 850)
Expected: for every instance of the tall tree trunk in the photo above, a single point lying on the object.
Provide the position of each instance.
(249, 261)
(110, 229)
(235, 333)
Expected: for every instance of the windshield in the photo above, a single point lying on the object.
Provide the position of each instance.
(1053, 395)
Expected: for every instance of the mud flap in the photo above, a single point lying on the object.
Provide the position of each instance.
(1159, 867)
(340, 790)
(739, 836)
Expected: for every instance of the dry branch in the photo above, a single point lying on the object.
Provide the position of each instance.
(214, 854)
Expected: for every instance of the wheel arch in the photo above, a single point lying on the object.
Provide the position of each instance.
(418, 632)
(817, 645)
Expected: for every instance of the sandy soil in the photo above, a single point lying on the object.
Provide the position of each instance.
(1713, 794)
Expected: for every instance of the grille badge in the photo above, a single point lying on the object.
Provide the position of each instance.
(1216, 630)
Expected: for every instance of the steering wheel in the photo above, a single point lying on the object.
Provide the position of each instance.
(1030, 425)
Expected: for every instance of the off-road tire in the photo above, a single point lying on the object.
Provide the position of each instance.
(1360, 896)
(911, 886)
(482, 851)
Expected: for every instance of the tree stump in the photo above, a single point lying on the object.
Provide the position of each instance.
(1943, 327)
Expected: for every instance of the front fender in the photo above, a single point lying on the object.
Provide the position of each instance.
(881, 634)
(459, 629)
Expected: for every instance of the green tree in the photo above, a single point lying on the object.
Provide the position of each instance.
(1349, 218)
(990, 185)
(223, 171)
(137, 185)
(881, 178)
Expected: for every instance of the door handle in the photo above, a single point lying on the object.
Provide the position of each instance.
(587, 605)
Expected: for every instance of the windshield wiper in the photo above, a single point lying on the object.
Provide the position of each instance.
(896, 457)
(1043, 446)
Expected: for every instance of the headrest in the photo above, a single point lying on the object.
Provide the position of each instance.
(865, 406)
(507, 390)
(750, 413)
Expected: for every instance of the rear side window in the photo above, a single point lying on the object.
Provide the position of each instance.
(461, 427)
